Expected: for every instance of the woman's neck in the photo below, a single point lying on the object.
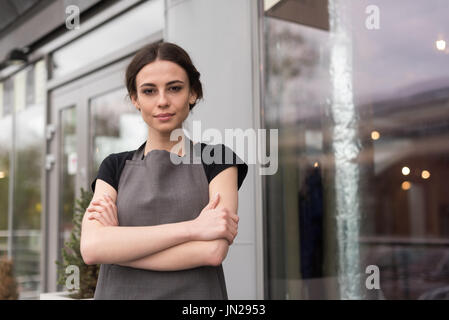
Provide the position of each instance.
(162, 142)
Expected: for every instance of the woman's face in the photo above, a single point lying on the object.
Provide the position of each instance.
(163, 87)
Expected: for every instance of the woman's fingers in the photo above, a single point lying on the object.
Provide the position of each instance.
(97, 213)
(233, 228)
(112, 209)
(102, 212)
(231, 237)
(231, 224)
(95, 207)
(109, 212)
(230, 231)
(232, 221)
(230, 214)
(233, 216)
(99, 217)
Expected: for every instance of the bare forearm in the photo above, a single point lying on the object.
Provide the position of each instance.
(187, 255)
(120, 244)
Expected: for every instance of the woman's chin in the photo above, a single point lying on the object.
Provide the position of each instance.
(165, 128)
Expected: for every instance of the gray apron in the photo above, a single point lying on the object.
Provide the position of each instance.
(152, 191)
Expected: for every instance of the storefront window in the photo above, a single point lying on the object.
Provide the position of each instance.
(116, 126)
(68, 166)
(358, 208)
(6, 94)
(28, 144)
(22, 140)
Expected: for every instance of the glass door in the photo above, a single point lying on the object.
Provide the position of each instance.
(64, 174)
(115, 126)
(68, 168)
(92, 118)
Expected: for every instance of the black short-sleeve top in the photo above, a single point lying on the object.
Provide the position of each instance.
(112, 166)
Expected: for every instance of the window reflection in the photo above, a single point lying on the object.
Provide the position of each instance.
(68, 167)
(363, 125)
(28, 136)
(6, 90)
(116, 126)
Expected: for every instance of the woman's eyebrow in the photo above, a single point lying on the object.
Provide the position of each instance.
(153, 85)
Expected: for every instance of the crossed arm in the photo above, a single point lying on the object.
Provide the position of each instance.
(168, 247)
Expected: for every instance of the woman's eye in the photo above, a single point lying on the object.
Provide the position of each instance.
(151, 91)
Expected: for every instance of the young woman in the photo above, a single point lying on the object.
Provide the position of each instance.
(161, 230)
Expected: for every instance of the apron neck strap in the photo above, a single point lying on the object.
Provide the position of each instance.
(139, 154)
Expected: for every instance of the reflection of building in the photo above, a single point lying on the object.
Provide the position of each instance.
(338, 202)
(412, 219)
(417, 125)
(373, 213)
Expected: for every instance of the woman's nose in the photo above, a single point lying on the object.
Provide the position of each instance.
(163, 101)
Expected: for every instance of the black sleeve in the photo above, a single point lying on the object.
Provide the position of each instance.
(214, 165)
(108, 172)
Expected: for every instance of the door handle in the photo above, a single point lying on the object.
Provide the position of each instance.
(50, 131)
(49, 161)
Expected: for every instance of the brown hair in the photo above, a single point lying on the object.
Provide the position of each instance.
(163, 51)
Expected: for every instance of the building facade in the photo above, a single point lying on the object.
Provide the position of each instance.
(353, 98)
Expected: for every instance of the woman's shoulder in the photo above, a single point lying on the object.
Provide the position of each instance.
(218, 157)
(116, 161)
(219, 154)
(111, 168)
(119, 157)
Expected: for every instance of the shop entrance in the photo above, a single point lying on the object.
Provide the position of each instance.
(90, 118)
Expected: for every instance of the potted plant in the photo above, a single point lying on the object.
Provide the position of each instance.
(71, 258)
(8, 283)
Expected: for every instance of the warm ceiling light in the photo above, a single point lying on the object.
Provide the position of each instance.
(375, 135)
(2, 174)
(425, 174)
(406, 185)
(405, 171)
(315, 164)
(440, 44)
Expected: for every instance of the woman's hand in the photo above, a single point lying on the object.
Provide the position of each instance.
(214, 224)
(103, 210)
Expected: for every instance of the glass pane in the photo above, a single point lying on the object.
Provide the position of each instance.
(6, 94)
(28, 162)
(363, 120)
(68, 166)
(116, 126)
(114, 35)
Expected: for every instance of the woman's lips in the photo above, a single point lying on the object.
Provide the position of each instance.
(165, 117)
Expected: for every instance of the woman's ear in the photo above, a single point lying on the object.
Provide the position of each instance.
(193, 96)
(135, 103)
